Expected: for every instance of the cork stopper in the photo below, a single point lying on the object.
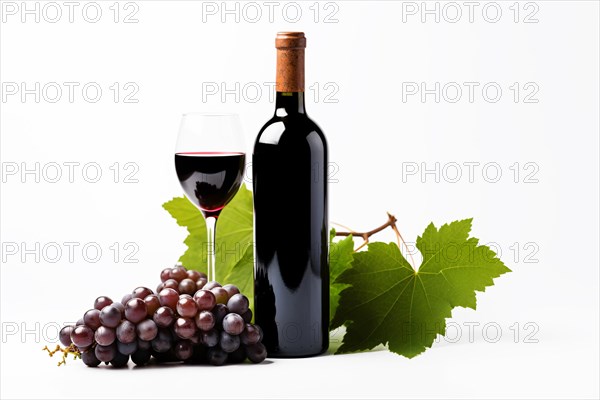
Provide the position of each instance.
(290, 61)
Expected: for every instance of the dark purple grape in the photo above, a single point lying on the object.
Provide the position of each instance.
(127, 348)
(238, 303)
(65, 335)
(79, 322)
(220, 311)
(205, 320)
(163, 341)
(147, 330)
(141, 357)
(136, 310)
(169, 298)
(160, 287)
(220, 295)
(247, 316)
(185, 328)
(199, 355)
(256, 352)
(233, 324)
(106, 353)
(110, 316)
(251, 335)
(200, 283)
(89, 358)
(165, 274)
(178, 273)
(210, 338)
(205, 299)
(120, 360)
(119, 306)
(193, 275)
(126, 298)
(82, 336)
(231, 290)
(171, 284)
(187, 286)
(164, 317)
(187, 307)
(152, 304)
(126, 332)
(184, 350)
(102, 302)
(144, 345)
(92, 319)
(141, 292)
(237, 356)
(165, 356)
(260, 332)
(229, 342)
(216, 356)
(210, 285)
(105, 336)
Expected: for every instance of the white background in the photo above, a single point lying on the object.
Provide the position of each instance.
(176, 51)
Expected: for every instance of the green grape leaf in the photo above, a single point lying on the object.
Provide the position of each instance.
(234, 251)
(187, 215)
(340, 259)
(390, 303)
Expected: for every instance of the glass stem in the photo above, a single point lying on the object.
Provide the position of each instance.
(211, 226)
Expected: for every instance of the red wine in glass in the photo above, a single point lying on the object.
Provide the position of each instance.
(209, 160)
(210, 179)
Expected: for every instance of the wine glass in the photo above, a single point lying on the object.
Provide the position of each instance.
(210, 159)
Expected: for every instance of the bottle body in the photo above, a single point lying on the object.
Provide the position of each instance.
(291, 232)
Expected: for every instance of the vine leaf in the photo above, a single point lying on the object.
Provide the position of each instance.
(340, 259)
(388, 302)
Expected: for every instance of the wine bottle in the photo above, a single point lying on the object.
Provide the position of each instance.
(291, 276)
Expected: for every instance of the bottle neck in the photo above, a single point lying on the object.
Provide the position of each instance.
(289, 84)
(290, 103)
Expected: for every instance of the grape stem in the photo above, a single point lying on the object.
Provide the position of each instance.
(65, 352)
(390, 223)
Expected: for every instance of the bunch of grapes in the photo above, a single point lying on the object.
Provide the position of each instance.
(187, 319)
